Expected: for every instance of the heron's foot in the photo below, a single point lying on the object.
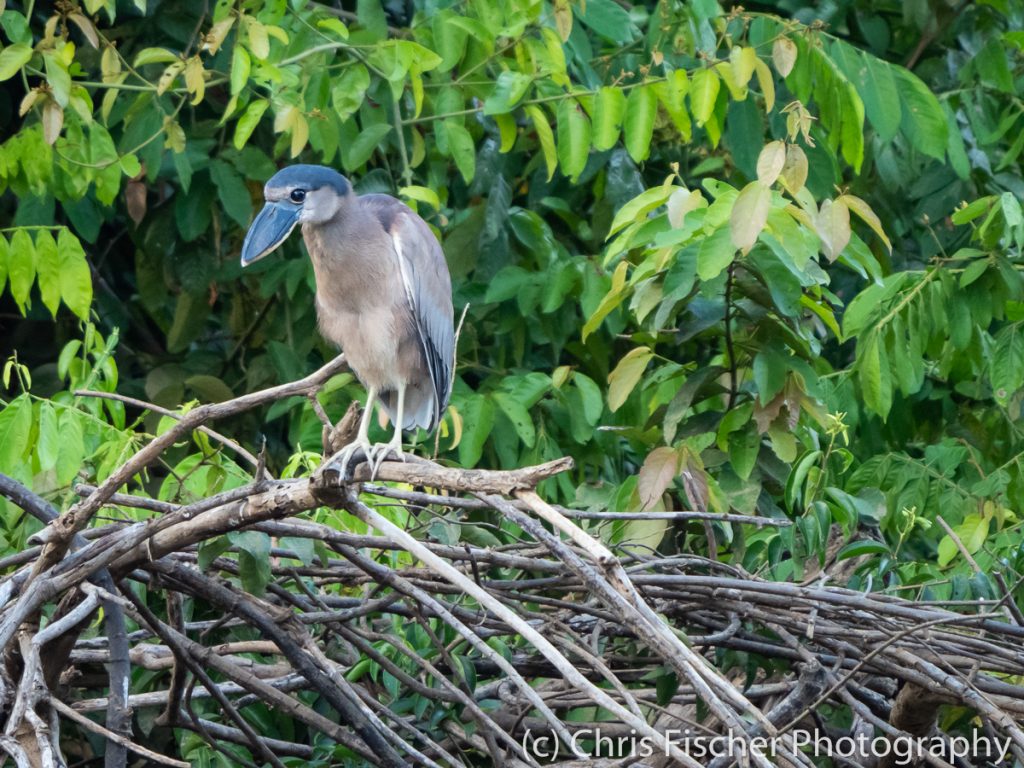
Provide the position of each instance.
(343, 458)
(384, 451)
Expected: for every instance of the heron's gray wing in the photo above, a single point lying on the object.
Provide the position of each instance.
(428, 287)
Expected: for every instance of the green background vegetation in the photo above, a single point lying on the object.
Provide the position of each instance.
(764, 260)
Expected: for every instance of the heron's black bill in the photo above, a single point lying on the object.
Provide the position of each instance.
(273, 225)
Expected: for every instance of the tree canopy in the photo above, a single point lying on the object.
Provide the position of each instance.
(759, 261)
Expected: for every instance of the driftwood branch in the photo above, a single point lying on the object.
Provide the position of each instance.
(423, 645)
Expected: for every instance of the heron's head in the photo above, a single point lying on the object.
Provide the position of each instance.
(299, 194)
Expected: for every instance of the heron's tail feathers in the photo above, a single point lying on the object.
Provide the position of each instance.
(418, 411)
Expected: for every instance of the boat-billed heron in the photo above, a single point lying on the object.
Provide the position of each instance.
(383, 293)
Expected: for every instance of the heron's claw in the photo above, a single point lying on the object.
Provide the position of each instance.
(382, 452)
(375, 454)
(343, 458)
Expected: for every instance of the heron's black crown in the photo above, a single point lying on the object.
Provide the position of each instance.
(310, 177)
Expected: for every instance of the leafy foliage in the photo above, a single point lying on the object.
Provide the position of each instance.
(757, 262)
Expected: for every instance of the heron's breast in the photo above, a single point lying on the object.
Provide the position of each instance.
(379, 342)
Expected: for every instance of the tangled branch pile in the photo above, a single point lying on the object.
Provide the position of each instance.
(398, 649)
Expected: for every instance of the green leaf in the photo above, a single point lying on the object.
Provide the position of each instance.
(609, 108)
(211, 549)
(626, 376)
(593, 400)
(15, 429)
(71, 448)
(1006, 368)
(234, 195)
(972, 533)
(5, 260)
(22, 267)
(241, 65)
(671, 93)
(573, 138)
(607, 19)
(992, 65)
(449, 39)
(248, 121)
(462, 148)
(253, 560)
(704, 89)
(641, 109)
(877, 87)
(744, 446)
(770, 369)
(355, 155)
(58, 78)
(874, 374)
(478, 417)
(639, 207)
(154, 56)
(518, 415)
(923, 119)
(48, 270)
(508, 90)
(48, 444)
(75, 275)
(615, 296)
(545, 136)
(863, 547)
(13, 58)
(371, 15)
(716, 253)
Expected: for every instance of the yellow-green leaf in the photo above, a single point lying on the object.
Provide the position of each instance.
(833, 227)
(507, 130)
(680, 203)
(743, 61)
(767, 83)
(703, 92)
(623, 380)
(611, 300)
(248, 121)
(771, 161)
(13, 58)
(259, 41)
(749, 214)
(240, 67)
(639, 206)
(868, 216)
(794, 171)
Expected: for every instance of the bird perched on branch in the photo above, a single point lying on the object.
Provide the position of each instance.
(383, 294)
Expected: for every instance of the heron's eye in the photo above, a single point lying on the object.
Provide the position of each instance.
(298, 195)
